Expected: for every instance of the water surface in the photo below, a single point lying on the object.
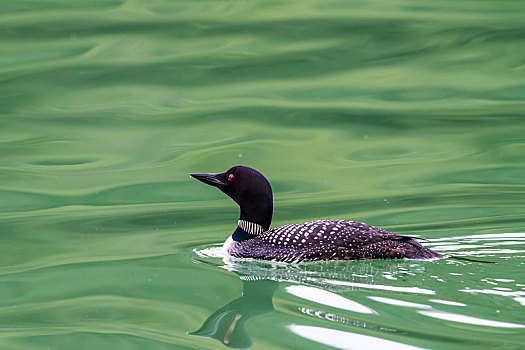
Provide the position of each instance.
(405, 115)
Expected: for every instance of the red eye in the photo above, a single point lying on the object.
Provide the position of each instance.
(230, 177)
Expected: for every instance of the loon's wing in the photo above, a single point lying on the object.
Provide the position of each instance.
(368, 242)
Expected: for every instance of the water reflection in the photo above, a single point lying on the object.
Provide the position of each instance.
(228, 324)
(313, 284)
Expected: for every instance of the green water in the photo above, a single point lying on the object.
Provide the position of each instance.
(407, 115)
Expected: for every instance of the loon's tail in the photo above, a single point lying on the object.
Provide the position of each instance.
(469, 259)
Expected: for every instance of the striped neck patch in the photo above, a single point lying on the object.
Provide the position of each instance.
(250, 227)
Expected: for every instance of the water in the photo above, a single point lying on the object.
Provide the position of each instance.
(405, 115)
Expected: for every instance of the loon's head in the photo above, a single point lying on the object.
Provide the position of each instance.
(248, 188)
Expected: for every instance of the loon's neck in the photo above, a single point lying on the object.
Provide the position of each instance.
(246, 230)
(257, 207)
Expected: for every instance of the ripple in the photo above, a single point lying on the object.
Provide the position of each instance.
(469, 319)
(518, 296)
(483, 237)
(410, 290)
(346, 340)
(63, 162)
(481, 245)
(447, 302)
(211, 252)
(328, 298)
(401, 303)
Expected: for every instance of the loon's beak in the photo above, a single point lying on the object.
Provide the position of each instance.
(210, 179)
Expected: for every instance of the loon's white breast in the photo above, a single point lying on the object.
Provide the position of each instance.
(227, 244)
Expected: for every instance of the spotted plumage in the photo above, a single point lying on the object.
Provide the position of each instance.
(329, 240)
(309, 241)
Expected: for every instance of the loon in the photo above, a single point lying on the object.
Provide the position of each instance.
(309, 241)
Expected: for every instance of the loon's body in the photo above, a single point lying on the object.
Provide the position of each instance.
(309, 241)
(328, 240)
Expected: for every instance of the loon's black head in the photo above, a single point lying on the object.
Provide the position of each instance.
(248, 188)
